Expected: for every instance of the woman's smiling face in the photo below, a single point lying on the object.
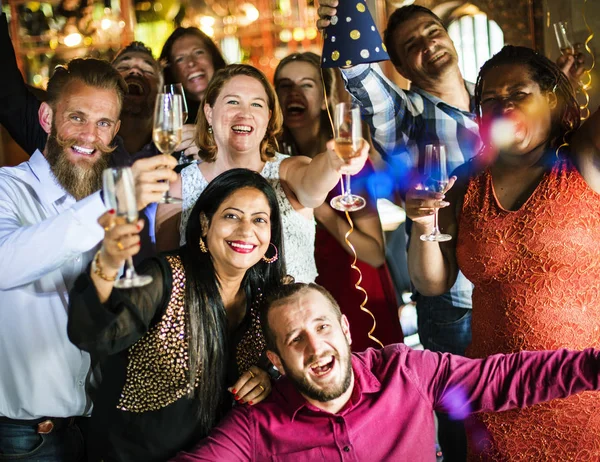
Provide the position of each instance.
(240, 115)
(300, 93)
(240, 231)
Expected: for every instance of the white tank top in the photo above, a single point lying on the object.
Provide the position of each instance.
(298, 231)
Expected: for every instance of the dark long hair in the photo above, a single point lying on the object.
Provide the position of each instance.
(548, 76)
(207, 320)
(328, 83)
(165, 55)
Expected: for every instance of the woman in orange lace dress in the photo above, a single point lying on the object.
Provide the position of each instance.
(525, 222)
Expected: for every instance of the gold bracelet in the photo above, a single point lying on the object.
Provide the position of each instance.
(98, 271)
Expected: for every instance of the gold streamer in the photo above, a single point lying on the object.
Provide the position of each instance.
(346, 239)
(357, 285)
(585, 110)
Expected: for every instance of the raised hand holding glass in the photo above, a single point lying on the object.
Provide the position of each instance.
(347, 133)
(436, 180)
(168, 122)
(119, 194)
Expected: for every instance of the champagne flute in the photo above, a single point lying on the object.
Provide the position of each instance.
(168, 122)
(177, 89)
(436, 180)
(564, 38)
(347, 134)
(119, 194)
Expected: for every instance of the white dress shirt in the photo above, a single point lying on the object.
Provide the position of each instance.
(46, 240)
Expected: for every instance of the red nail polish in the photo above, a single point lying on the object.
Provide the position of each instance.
(234, 391)
(111, 211)
(250, 403)
(237, 398)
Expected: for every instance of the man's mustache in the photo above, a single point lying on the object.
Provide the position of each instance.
(66, 143)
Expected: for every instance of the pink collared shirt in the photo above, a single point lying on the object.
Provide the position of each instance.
(390, 414)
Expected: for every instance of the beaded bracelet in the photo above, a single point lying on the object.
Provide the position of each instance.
(98, 271)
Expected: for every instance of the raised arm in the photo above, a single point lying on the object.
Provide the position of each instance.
(432, 265)
(104, 320)
(385, 108)
(312, 179)
(502, 382)
(18, 106)
(585, 147)
(30, 251)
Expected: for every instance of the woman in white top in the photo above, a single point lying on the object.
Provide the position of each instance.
(237, 127)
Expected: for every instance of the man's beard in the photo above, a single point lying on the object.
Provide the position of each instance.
(78, 179)
(304, 386)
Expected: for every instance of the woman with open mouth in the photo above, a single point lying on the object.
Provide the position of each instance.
(524, 216)
(237, 127)
(306, 130)
(169, 351)
(191, 58)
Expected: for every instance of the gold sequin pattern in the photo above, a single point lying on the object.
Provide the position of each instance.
(157, 371)
(252, 344)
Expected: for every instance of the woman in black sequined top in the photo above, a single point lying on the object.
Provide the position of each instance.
(169, 351)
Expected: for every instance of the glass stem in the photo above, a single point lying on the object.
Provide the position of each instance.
(435, 223)
(347, 191)
(129, 269)
(166, 194)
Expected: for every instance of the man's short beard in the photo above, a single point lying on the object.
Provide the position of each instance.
(311, 391)
(78, 181)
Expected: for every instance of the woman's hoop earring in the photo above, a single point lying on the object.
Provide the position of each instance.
(202, 246)
(274, 258)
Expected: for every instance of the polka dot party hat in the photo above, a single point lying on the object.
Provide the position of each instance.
(352, 37)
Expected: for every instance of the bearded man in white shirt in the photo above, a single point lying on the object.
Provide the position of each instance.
(49, 208)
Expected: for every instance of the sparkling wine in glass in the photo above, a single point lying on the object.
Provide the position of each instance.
(436, 180)
(119, 194)
(347, 134)
(177, 89)
(564, 38)
(168, 122)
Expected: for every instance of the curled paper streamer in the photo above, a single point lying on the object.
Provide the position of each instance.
(585, 86)
(357, 285)
(347, 235)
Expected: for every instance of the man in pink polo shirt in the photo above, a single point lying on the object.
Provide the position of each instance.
(376, 405)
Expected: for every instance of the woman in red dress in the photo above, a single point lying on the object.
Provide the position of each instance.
(306, 130)
(525, 223)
